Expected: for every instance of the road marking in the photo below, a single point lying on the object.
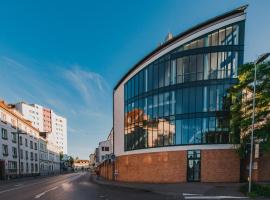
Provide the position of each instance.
(214, 197)
(17, 185)
(47, 180)
(41, 194)
(188, 194)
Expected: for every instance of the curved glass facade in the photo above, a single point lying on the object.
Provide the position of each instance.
(179, 99)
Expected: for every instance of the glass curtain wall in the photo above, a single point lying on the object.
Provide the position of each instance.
(180, 99)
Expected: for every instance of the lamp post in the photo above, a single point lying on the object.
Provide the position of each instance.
(258, 61)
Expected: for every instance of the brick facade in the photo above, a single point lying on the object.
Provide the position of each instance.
(171, 167)
(220, 166)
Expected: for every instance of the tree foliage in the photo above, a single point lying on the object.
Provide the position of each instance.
(240, 96)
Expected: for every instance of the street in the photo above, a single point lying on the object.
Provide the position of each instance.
(70, 187)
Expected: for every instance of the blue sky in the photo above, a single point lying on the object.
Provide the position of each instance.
(68, 55)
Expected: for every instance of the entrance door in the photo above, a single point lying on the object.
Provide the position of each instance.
(194, 166)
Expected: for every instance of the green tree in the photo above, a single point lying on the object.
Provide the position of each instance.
(240, 96)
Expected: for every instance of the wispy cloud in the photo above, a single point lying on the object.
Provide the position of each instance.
(91, 86)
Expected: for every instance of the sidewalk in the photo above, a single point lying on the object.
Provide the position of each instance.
(178, 189)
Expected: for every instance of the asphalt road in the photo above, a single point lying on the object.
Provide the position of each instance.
(71, 187)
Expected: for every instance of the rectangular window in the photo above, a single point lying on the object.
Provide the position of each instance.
(172, 132)
(172, 103)
(14, 152)
(150, 78)
(155, 106)
(179, 133)
(26, 142)
(212, 98)
(213, 71)
(192, 68)
(179, 102)
(235, 34)
(186, 69)
(155, 76)
(173, 72)
(14, 137)
(198, 131)
(229, 38)
(214, 39)
(185, 107)
(199, 99)
(160, 133)
(180, 70)
(31, 144)
(206, 66)
(192, 130)
(160, 107)
(200, 67)
(146, 79)
(167, 73)
(161, 74)
(5, 150)
(166, 104)
(4, 134)
(222, 33)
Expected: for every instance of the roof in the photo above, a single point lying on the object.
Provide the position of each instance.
(239, 10)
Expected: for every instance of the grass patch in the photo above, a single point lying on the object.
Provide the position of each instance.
(257, 190)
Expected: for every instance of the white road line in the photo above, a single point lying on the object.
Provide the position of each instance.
(27, 185)
(69, 181)
(17, 185)
(188, 194)
(214, 197)
(41, 194)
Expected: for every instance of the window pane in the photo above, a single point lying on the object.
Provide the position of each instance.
(212, 98)
(192, 130)
(234, 64)
(185, 131)
(179, 132)
(199, 67)
(192, 67)
(172, 132)
(160, 133)
(166, 104)
(236, 34)
(199, 99)
(213, 72)
(173, 72)
(160, 108)
(186, 69)
(222, 36)
(155, 76)
(179, 102)
(214, 39)
(192, 100)
(229, 36)
(198, 133)
(206, 66)
(150, 78)
(167, 73)
(180, 70)
(146, 79)
(185, 100)
(172, 103)
(161, 74)
(155, 106)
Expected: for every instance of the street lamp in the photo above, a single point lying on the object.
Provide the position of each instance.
(258, 61)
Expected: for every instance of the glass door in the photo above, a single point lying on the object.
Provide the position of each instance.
(194, 166)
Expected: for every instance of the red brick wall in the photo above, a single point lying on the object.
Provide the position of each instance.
(264, 167)
(162, 167)
(106, 170)
(220, 166)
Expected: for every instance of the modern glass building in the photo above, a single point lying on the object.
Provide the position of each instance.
(174, 99)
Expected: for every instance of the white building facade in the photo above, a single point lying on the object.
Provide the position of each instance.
(19, 155)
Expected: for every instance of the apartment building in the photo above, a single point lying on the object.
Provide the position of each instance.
(46, 120)
(19, 155)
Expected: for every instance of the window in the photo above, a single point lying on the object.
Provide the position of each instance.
(31, 144)
(107, 148)
(31, 156)
(161, 74)
(5, 150)
(36, 157)
(26, 142)
(21, 153)
(35, 146)
(20, 139)
(14, 137)
(14, 152)
(26, 155)
(4, 134)
(167, 73)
